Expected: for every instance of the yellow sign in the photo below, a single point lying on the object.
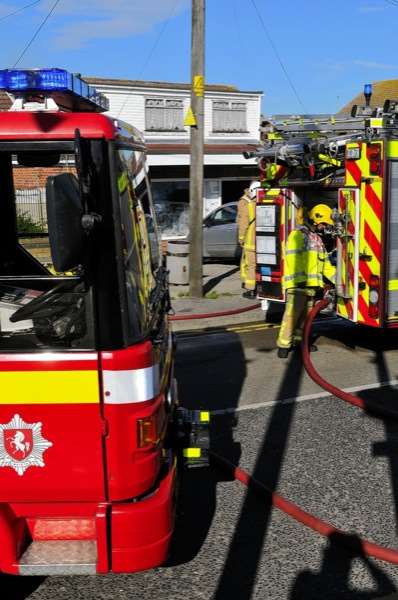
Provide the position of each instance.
(190, 119)
(199, 85)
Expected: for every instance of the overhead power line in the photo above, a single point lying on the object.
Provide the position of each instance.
(20, 10)
(274, 48)
(151, 53)
(36, 33)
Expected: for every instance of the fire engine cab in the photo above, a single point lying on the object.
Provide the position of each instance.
(350, 164)
(87, 392)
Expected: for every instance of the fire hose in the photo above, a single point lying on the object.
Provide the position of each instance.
(346, 539)
(221, 313)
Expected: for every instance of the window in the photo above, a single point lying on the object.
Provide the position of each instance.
(224, 215)
(229, 116)
(163, 114)
(171, 200)
(40, 308)
(135, 205)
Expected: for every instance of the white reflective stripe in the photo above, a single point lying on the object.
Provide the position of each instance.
(295, 276)
(298, 251)
(128, 387)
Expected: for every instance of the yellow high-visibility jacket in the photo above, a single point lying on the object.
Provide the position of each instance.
(306, 260)
(246, 220)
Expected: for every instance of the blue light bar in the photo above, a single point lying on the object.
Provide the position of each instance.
(367, 89)
(58, 83)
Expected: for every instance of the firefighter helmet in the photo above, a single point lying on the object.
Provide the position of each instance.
(254, 186)
(321, 213)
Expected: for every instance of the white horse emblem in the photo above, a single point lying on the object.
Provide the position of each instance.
(22, 445)
(18, 443)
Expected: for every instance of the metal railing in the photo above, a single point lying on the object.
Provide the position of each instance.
(31, 210)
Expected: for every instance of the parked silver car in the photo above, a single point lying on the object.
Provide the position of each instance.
(220, 233)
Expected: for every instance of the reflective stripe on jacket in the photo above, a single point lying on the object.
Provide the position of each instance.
(246, 220)
(306, 260)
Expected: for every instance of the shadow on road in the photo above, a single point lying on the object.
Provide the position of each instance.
(210, 371)
(332, 581)
(211, 283)
(211, 374)
(355, 337)
(247, 545)
(14, 587)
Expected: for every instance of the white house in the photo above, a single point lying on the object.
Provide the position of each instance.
(232, 120)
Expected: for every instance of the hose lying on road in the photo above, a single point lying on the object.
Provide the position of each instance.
(344, 538)
(221, 313)
(368, 406)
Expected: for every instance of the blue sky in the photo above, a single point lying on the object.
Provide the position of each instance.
(329, 49)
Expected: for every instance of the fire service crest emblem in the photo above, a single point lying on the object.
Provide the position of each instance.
(22, 445)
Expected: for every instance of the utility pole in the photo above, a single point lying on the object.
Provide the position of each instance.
(197, 142)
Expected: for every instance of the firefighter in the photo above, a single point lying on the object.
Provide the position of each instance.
(307, 266)
(271, 173)
(246, 220)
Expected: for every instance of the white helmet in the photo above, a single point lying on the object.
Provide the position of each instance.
(254, 186)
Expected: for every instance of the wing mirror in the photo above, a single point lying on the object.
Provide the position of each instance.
(64, 213)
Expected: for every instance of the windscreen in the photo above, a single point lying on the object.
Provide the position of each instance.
(40, 307)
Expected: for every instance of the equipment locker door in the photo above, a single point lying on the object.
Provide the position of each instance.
(274, 220)
(347, 280)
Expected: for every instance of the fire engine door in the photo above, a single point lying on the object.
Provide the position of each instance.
(347, 281)
(273, 224)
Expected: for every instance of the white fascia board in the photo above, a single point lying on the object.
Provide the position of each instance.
(171, 160)
(149, 91)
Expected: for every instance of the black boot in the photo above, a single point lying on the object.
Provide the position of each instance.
(250, 294)
(283, 352)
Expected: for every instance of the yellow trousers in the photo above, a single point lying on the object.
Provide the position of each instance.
(248, 269)
(299, 302)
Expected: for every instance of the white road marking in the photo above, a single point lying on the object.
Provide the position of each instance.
(317, 396)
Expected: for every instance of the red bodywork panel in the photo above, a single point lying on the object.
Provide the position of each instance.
(132, 391)
(70, 468)
(43, 126)
(93, 470)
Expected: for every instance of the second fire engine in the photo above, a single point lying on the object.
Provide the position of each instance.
(351, 165)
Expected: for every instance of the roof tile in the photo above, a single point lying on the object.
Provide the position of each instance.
(159, 84)
(382, 90)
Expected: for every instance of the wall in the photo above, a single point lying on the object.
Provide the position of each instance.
(129, 106)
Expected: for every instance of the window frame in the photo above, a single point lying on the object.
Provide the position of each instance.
(230, 110)
(40, 275)
(129, 336)
(214, 221)
(179, 129)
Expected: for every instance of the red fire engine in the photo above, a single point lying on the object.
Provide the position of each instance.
(87, 401)
(350, 164)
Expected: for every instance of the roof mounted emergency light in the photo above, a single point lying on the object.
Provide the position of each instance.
(69, 91)
(367, 92)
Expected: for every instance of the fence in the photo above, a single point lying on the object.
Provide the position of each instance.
(31, 210)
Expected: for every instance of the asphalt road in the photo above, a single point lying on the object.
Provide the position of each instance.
(328, 457)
